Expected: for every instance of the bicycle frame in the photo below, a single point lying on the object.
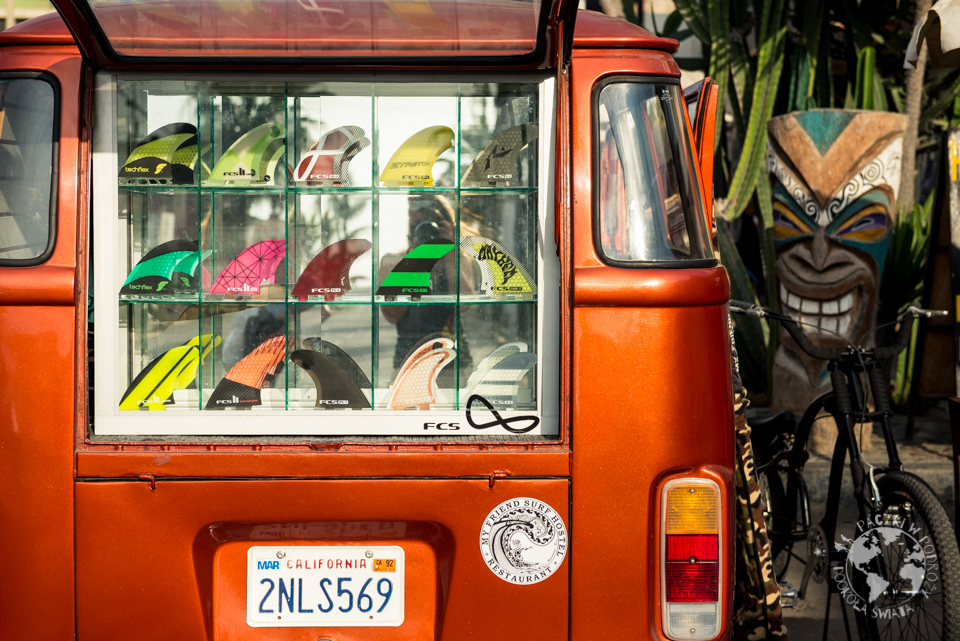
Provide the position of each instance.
(846, 417)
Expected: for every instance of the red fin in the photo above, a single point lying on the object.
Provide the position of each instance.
(328, 274)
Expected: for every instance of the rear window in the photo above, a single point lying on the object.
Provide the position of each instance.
(649, 207)
(28, 138)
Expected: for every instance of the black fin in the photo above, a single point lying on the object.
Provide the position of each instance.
(334, 387)
(341, 358)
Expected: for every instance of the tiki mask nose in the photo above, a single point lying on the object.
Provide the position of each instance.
(820, 249)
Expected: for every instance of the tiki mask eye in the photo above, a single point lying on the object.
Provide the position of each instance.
(866, 226)
(787, 224)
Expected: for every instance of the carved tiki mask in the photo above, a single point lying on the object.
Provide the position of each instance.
(835, 176)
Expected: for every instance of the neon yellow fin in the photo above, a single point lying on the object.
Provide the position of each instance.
(412, 164)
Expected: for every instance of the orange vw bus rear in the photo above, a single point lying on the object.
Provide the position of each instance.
(358, 320)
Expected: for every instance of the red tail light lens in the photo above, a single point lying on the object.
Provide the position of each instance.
(692, 582)
(683, 547)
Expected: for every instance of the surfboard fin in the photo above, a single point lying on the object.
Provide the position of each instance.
(341, 358)
(252, 159)
(153, 387)
(412, 164)
(253, 267)
(328, 274)
(187, 274)
(415, 385)
(335, 389)
(240, 388)
(503, 275)
(325, 164)
(411, 276)
(492, 360)
(152, 274)
(205, 343)
(500, 385)
(429, 344)
(496, 164)
(152, 161)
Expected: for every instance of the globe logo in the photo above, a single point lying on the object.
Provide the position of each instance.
(892, 569)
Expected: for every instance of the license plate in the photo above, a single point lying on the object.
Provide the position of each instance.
(312, 586)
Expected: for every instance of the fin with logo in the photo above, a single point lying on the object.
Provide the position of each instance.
(418, 352)
(503, 275)
(492, 360)
(152, 161)
(414, 387)
(496, 164)
(501, 383)
(188, 273)
(325, 164)
(240, 388)
(411, 276)
(189, 153)
(153, 273)
(205, 343)
(153, 387)
(412, 164)
(335, 389)
(255, 266)
(252, 159)
(341, 358)
(328, 274)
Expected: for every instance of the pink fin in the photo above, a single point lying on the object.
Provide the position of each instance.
(255, 266)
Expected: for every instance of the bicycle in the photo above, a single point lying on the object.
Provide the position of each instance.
(901, 571)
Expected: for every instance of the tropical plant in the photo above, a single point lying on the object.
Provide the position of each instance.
(902, 283)
(771, 57)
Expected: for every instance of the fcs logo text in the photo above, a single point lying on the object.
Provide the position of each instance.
(442, 426)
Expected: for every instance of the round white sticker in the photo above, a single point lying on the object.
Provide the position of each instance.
(523, 540)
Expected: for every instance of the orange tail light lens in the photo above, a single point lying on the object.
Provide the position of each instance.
(690, 564)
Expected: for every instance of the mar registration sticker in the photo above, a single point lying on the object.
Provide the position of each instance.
(523, 540)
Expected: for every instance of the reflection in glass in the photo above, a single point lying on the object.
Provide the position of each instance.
(650, 203)
(26, 167)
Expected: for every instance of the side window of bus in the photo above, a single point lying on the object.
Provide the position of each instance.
(649, 206)
(28, 168)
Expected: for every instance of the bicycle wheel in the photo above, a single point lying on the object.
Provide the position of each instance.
(778, 522)
(902, 571)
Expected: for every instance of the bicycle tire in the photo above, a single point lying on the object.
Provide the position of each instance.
(779, 525)
(913, 594)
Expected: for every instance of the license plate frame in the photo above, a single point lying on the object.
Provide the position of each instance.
(325, 586)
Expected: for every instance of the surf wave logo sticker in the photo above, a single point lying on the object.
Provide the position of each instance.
(523, 541)
(869, 587)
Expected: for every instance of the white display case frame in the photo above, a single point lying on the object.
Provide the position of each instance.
(108, 245)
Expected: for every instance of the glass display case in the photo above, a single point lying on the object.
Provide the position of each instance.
(325, 259)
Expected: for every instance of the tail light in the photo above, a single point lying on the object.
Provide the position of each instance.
(690, 563)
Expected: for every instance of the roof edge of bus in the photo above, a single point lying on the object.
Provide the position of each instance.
(595, 30)
(48, 29)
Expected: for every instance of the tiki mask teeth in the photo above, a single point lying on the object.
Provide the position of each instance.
(833, 315)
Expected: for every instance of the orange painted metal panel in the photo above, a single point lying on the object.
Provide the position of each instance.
(36, 472)
(174, 464)
(651, 396)
(37, 374)
(616, 287)
(145, 558)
